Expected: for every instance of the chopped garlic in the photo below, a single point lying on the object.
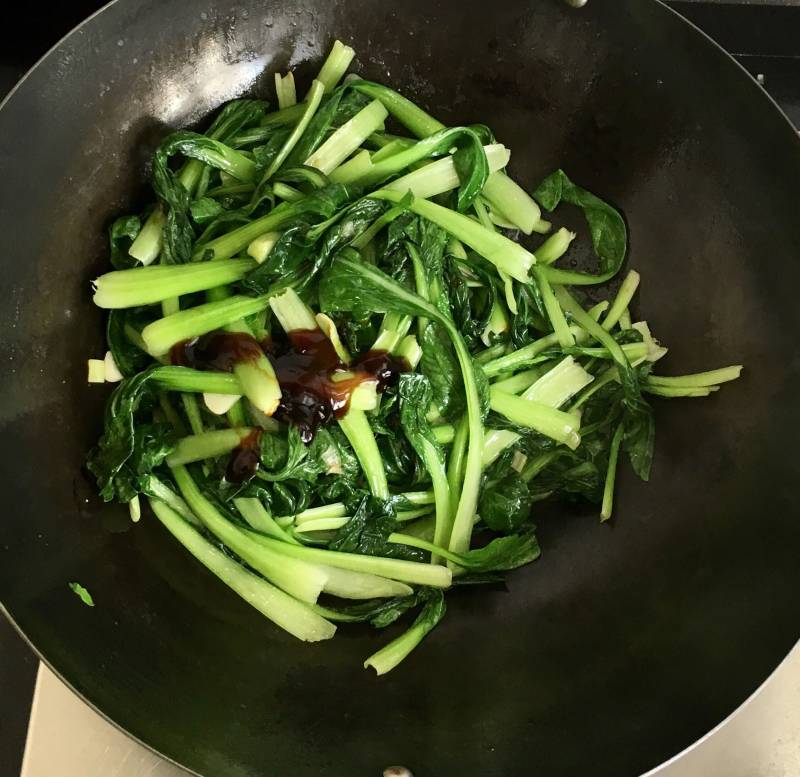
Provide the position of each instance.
(519, 461)
(333, 461)
(97, 370)
(654, 349)
(259, 249)
(219, 404)
(113, 375)
(326, 324)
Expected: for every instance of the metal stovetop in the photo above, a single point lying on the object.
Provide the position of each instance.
(762, 740)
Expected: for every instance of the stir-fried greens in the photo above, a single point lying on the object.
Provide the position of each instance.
(343, 377)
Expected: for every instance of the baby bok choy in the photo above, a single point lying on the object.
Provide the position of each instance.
(342, 381)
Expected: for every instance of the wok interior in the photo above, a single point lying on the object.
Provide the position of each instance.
(644, 633)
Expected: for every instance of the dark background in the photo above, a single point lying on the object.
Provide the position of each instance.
(762, 34)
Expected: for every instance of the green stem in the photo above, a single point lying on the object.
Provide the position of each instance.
(412, 572)
(554, 313)
(388, 657)
(162, 334)
(148, 285)
(523, 356)
(298, 578)
(186, 379)
(440, 176)
(698, 379)
(229, 244)
(677, 391)
(457, 461)
(444, 434)
(622, 300)
(206, 445)
(147, 245)
(292, 616)
(611, 473)
(512, 201)
(359, 434)
(516, 384)
(412, 117)
(498, 249)
(470, 487)
(347, 138)
(591, 327)
(335, 66)
(154, 487)
(558, 384)
(554, 247)
(419, 497)
(311, 104)
(559, 426)
(235, 415)
(441, 489)
(259, 519)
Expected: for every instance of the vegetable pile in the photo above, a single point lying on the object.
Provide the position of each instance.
(343, 377)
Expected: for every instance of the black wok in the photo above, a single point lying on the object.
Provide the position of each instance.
(624, 643)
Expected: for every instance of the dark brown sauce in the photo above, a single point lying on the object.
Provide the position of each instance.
(244, 459)
(383, 366)
(217, 351)
(306, 365)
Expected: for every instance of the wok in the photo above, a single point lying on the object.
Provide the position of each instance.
(624, 643)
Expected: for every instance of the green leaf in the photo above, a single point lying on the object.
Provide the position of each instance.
(372, 521)
(440, 365)
(129, 358)
(301, 462)
(380, 613)
(415, 395)
(178, 233)
(505, 504)
(351, 284)
(503, 554)
(129, 448)
(639, 438)
(469, 160)
(609, 234)
(82, 594)
(121, 235)
(205, 210)
(304, 249)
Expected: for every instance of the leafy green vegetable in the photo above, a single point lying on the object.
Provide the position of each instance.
(205, 209)
(129, 448)
(121, 235)
(82, 594)
(304, 249)
(388, 657)
(353, 285)
(122, 328)
(505, 504)
(430, 377)
(379, 613)
(500, 555)
(469, 159)
(372, 521)
(415, 398)
(608, 230)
